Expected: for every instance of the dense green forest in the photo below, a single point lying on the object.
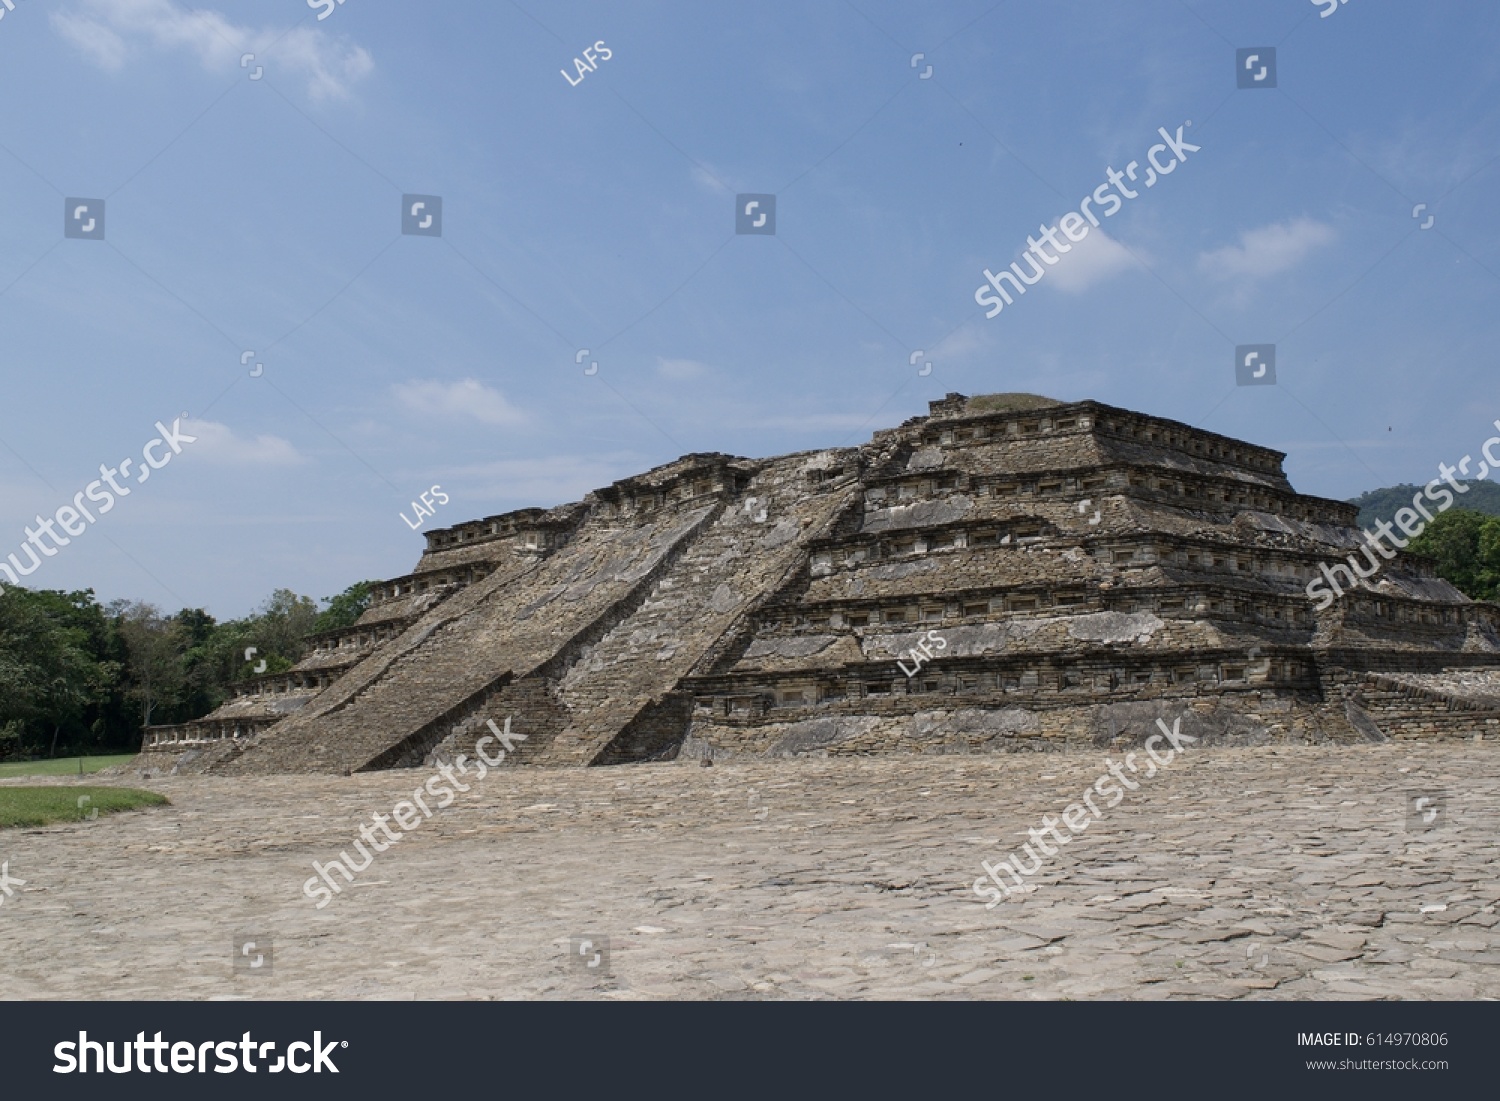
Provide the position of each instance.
(78, 677)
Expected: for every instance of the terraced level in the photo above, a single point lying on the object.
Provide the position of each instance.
(1006, 573)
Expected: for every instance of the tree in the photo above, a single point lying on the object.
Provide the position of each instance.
(345, 609)
(156, 675)
(75, 674)
(280, 625)
(1466, 546)
(210, 660)
(89, 670)
(25, 644)
(57, 675)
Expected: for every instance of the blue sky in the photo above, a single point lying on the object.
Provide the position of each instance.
(265, 215)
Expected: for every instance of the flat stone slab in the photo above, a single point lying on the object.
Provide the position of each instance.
(1272, 872)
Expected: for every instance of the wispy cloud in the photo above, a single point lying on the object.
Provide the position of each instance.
(1267, 251)
(1092, 260)
(707, 179)
(470, 399)
(111, 32)
(218, 443)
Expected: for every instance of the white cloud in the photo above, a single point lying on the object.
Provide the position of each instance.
(1266, 251)
(101, 45)
(469, 398)
(110, 32)
(217, 443)
(330, 68)
(1094, 259)
(679, 369)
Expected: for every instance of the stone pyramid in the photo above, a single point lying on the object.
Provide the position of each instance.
(1007, 573)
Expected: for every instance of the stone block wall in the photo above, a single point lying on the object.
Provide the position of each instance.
(1081, 563)
(1427, 707)
(1253, 717)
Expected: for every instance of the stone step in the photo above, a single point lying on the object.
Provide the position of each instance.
(693, 607)
(506, 631)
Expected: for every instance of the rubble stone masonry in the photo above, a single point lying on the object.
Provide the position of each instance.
(1088, 569)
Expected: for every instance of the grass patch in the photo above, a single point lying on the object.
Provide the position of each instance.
(63, 766)
(44, 806)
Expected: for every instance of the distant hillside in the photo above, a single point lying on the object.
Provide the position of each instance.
(1381, 504)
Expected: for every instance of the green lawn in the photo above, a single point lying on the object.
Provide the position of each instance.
(43, 806)
(63, 766)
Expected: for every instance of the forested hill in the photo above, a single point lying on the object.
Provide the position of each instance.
(1381, 504)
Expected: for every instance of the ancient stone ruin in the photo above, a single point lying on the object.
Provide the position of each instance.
(1006, 573)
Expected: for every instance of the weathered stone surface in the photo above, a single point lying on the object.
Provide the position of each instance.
(804, 647)
(805, 878)
(1075, 569)
(1114, 627)
(921, 514)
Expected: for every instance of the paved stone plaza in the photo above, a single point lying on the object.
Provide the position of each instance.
(1273, 872)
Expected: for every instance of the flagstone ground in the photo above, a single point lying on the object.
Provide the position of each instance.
(1272, 872)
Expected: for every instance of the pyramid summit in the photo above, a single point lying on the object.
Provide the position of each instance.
(1008, 572)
